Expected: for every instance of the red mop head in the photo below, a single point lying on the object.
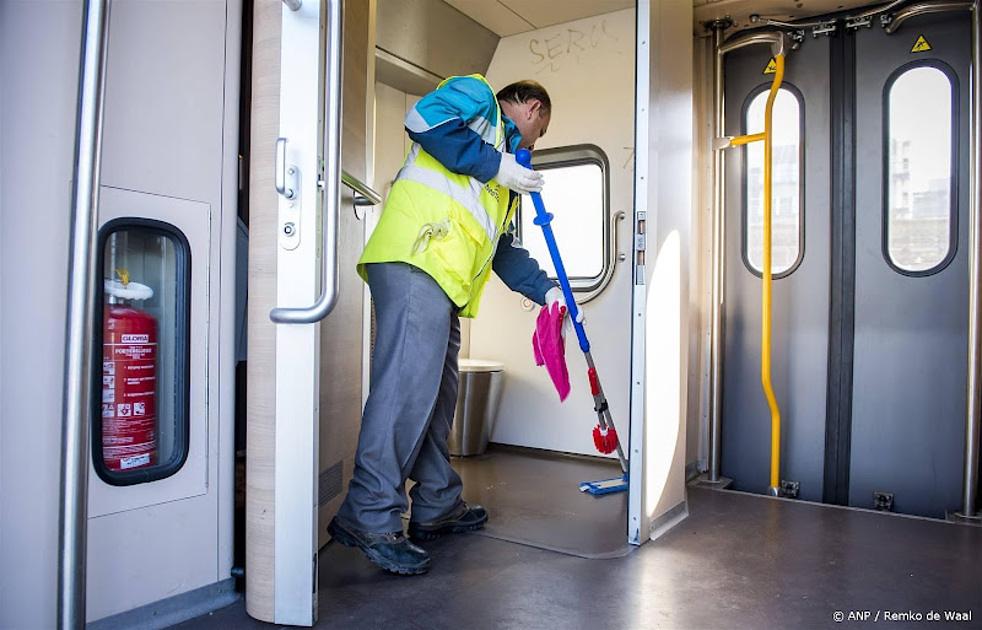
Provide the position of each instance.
(605, 439)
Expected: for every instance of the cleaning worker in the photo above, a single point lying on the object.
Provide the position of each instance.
(444, 228)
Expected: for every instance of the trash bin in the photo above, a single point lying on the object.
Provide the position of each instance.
(478, 395)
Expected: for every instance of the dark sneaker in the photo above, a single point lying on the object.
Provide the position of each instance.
(391, 551)
(466, 518)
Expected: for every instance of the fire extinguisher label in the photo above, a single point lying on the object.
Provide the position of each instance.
(129, 388)
(133, 462)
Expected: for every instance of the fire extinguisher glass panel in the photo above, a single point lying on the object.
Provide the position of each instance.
(141, 432)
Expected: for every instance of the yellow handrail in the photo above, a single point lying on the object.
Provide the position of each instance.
(765, 342)
(741, 140)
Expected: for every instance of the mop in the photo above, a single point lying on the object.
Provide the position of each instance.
(604, 434)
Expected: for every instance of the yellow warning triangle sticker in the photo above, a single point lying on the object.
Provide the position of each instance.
(920, 45)
(771, 67)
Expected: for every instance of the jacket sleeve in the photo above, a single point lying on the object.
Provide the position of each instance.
(439, 123)
(519, 271)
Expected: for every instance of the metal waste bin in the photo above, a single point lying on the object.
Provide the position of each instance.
(478, 395)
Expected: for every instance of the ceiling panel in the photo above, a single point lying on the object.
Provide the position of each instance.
(510, 17)
(493, 16)
(544, 13)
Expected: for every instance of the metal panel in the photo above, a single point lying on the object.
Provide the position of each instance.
(149, 100)
(911, 332)
(298, 345)
(194, 220)
(660, 301)
(38, 98)
(800, 299)
(434, 36)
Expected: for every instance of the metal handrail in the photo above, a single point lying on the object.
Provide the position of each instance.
(973, 409)
(80, 314)
(876, 10)
(365, 195)
(331, 188)
(924, 8)
(780, 44)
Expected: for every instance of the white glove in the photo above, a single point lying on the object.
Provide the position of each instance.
(555, 296)
(514, 176)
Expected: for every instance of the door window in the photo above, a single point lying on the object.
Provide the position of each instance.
(919, 232)
(575, 192)
(141, 365)
(786, 220)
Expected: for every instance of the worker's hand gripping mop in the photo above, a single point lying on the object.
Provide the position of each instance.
(604, 434)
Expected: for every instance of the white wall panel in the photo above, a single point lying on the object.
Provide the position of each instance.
(37, 115)
(170, 129)
(588, 68)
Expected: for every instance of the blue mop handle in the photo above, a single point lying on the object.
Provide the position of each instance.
(543, 219)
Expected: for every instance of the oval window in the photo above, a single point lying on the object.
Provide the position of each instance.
(919, 174)
(786, 184)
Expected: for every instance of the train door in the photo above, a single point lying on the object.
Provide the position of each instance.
(309, 164)
(800, 267)
(870, 266)
(911, 292)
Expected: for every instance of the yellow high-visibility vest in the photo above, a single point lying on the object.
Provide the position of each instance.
(444, 223)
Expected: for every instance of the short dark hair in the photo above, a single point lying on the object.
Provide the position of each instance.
(521, 91)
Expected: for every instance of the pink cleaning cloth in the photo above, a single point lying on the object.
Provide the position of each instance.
(549, 347)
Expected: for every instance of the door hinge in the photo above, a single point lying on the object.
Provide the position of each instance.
(640, 247)
(883, 501)
(854, 24)
(824, 28)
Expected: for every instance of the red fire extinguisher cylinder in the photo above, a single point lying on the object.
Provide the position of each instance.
(129, 388)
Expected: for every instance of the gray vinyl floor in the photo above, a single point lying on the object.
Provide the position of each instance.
(533, 498)
(738, 561)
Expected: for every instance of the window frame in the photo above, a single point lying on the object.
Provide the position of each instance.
(745, 189)
(578, 155)
(182, 353)
(952, 77)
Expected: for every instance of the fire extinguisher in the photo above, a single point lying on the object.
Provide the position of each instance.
(129, 377)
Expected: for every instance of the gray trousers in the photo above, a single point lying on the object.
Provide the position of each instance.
(410, 406)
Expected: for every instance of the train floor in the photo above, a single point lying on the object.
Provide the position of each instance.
(737, 561)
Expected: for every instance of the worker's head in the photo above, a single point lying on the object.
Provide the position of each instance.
(528, 105)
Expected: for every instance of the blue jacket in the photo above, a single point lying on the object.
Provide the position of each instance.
(439, 123)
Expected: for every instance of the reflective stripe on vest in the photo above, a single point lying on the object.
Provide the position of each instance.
(469, 198)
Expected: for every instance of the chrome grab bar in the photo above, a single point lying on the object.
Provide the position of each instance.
(293, 5)
(924, 8)
(778, 40)
(365, 195)
(331, 184)
(80, 313)
(280, 173)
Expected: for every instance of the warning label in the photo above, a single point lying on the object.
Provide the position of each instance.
(134, 461)
(771, 67)
(921, 45)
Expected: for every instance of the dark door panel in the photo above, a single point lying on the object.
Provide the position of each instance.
(912, 305)
(801, 293)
